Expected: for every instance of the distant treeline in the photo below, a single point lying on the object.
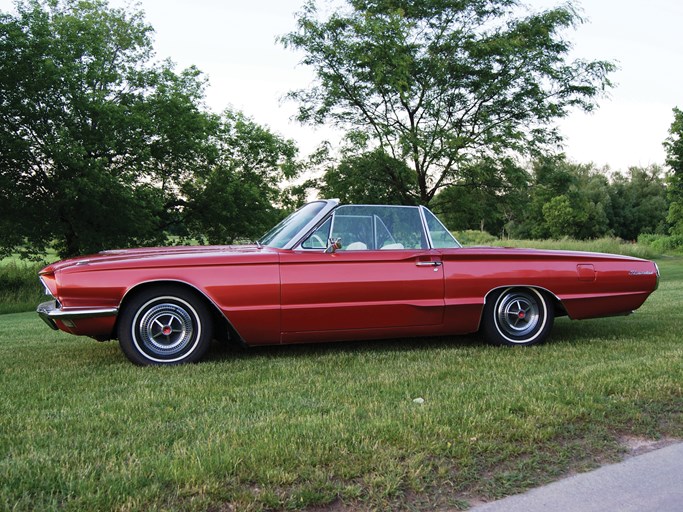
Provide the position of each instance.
(561, 199)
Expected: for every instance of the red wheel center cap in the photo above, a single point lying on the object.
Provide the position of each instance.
(166, 330)
(521, 314)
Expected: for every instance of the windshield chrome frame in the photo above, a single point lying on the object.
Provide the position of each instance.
(425, 226)
(330, 204)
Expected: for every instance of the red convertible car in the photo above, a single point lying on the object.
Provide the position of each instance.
(334, 272)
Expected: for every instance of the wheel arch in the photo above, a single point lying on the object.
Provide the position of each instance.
(221, 322)
(555, 301)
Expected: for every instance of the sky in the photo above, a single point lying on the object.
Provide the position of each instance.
(234, 43)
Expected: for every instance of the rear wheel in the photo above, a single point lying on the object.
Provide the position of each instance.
(165, 325)
(517, 316)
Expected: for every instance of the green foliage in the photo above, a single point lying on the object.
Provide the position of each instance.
(95, 136)
(674, 151)
(439, 83)
(488, 195)
(20, 289)
(662, 243)
(639, 202)
(235, 196)
(608, 245)
(472, 237)
(580, 201)
(560, 217)
(370, 178)
(103, 147)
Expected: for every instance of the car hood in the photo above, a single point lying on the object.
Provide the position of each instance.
(166, 256)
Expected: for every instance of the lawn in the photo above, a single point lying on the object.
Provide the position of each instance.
(306, 426)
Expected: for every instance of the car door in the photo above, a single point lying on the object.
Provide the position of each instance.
(377, 280)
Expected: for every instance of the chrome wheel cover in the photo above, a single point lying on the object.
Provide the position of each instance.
(166, 329)
(518, 316)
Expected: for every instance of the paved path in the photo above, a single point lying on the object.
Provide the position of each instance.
(652, 482)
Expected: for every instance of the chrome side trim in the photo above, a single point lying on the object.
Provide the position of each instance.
(50, 311)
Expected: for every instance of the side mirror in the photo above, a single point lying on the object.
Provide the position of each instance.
(333, 244)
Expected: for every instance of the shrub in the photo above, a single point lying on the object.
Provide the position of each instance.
(662, 243)
(20, 289)
(474, 237)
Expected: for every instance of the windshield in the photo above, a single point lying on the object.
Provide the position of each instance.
(289, 227)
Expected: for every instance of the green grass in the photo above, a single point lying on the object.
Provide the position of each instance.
(294, 427)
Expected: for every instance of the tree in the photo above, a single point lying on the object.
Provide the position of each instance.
(442, 83)
(369, 178)
(489, 195)
(550, 177)
(639, 202)
(565, 199)
(95, 139)
(674, 159)
(236, 196)
(560, 217)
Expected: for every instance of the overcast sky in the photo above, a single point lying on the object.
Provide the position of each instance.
(233, 42)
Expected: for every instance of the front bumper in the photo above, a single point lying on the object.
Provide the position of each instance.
(51, 311)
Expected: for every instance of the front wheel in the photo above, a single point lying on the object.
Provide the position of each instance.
(517, 316)
(165, 325)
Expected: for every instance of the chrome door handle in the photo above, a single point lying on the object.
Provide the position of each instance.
(428, 263)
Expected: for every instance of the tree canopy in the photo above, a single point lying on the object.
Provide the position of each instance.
(674, 152)
(369, 178)
(100, 144)
(238, 194)
(488, 196)
(442, 83)
(557, 198)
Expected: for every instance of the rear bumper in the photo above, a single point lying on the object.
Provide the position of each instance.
(51, 311)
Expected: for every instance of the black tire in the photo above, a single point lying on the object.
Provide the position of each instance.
(165, 325)
(517, 316)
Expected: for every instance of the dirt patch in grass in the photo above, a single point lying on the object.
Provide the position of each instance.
(637, 445)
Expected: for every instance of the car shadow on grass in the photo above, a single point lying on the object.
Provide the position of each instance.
(565, 332)
(222, 351)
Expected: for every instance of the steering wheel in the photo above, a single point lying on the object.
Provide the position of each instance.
(318, 241)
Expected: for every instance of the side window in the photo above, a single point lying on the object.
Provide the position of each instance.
(384, 238)
(375, 228)
(355, 231)
(441, 237)
(405, 226)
